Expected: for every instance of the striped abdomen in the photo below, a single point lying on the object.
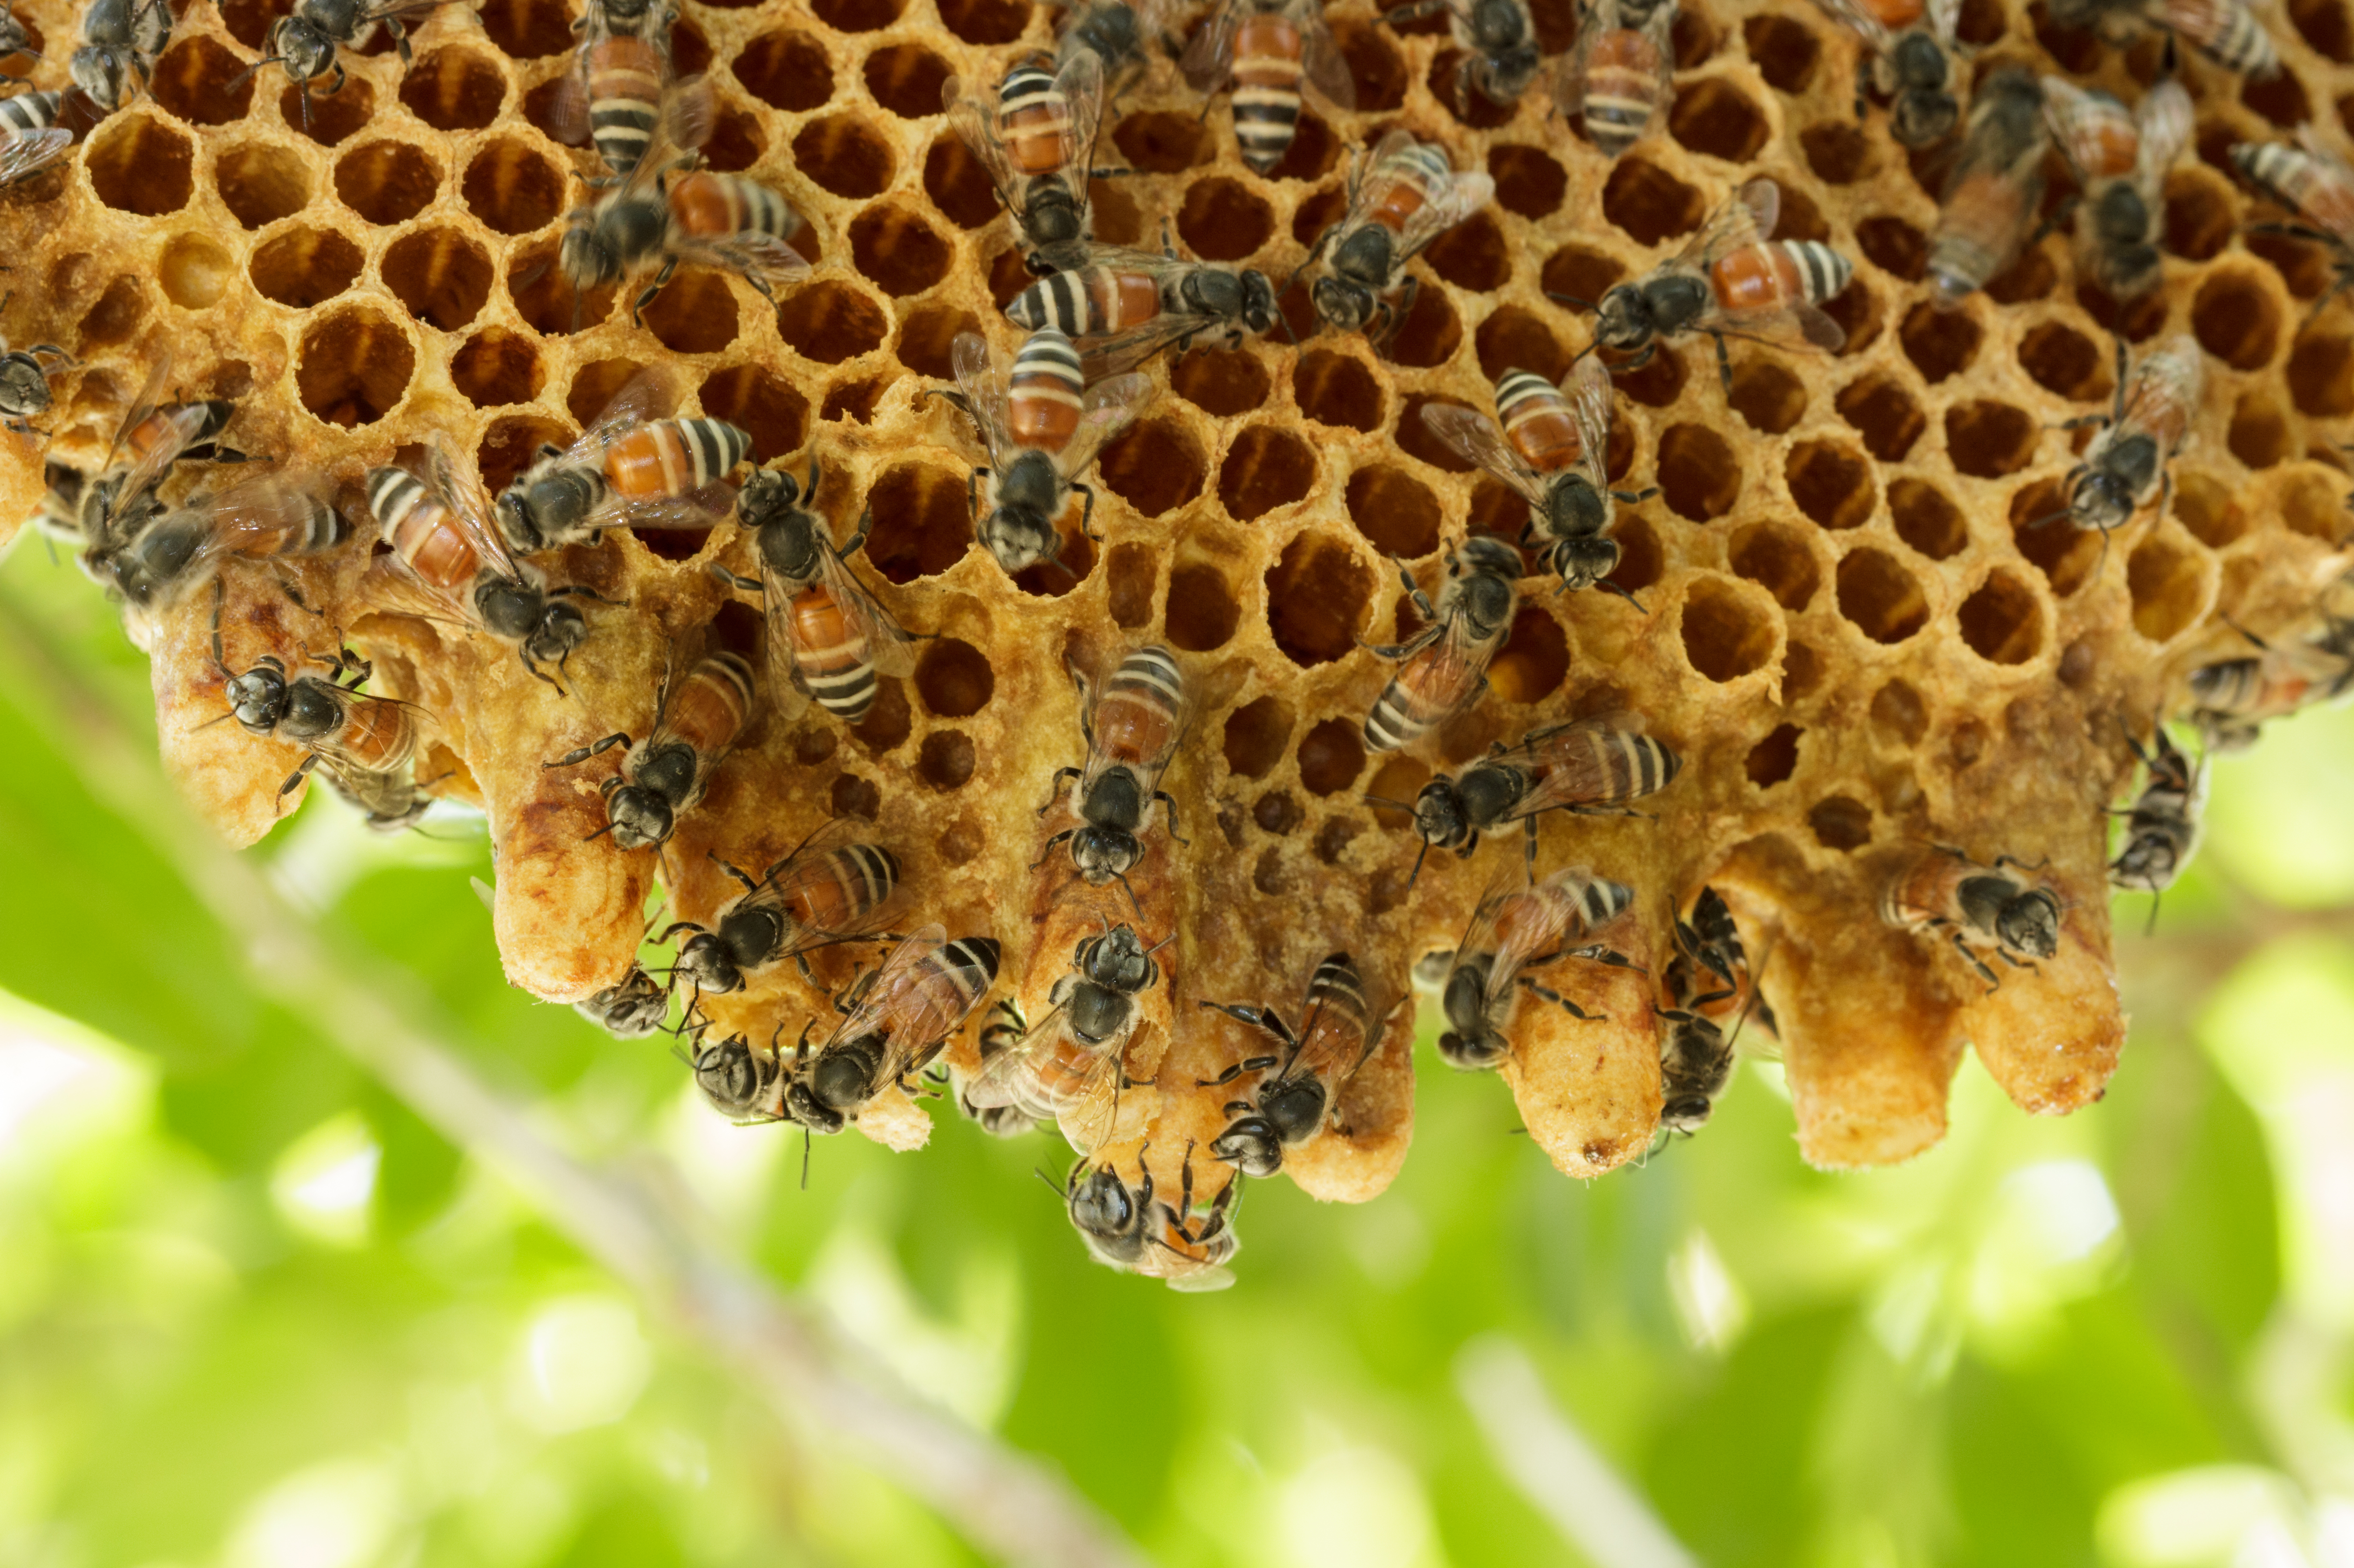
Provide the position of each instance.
(175, 425)
(1537, 421)
(420, 530)
(708, 710)
(1061, 1070)
(1895, 15)
(1033, 119)
(625, 86)
(946, 984)
(1268, 54)
(1622, 89)
(319, 527)
(2227, 32)
(714, 206)
(841, 889)
(1593, 901)
(671, 457)
(1928, 893)
(1426, 692)
(1136, 717)
(1982, 221)
(378, 733)
(1777, 272)
(1094, 302)
(2251, 687)
(833, 658)
(2104, 140)
(1403, 184)
(1612, 767)
(2320, 191)
(1336, 1019)
(29, 111)
(1042, 393)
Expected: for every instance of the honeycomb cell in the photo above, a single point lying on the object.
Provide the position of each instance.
(1311, 154)
(1657, 384)
(844, 154)
(695, 313)
(527, 29)
(1880, 409)
(1896, 246)
(1514, 339)
(195, 271)
(2029, 277)
(2002, 620)
(440, 275)
(1264, 468)
(1528, 181)
(1394, 511)
(544, 296)
(329, 121)
(923, 524)
(304, 267)
(1840, 822)
(513, 443)
(1988, 440)
(1940, 343)
(852, 401)
(2323, 25)
(2199, 215)
(961, 842)
(1009, 274)
(897, 249)
(1715, 118)
(928, 338)
(2259, 433)
(977, 21)
(788, 70)
(1879, 598)
(1222, 382)
(1117, 218)
(1257, 734)
(137, 164)
(1414, 439)
(1163, 142)
(1727, 633)
(1838, 151)
(1317, 593)
(2236, 319)
(953, 679)
(1856, 310)
(2322, 374)
(690, 51)
(1376, 70)
(1318, 212)
(2207, 508)
(2040, 531)
(2279, 98)
(946, 759)
(1693, 38)
(2063, 360)
(734, 143)
(1155, 466)
(1699, 474)
(1202, 612)
(1799, 217)
(1830, 483)
(1640, 559)
(495, 368)
(905, 79)
(2306, 268)
(2311, 503)
(830, 322)
(202, 82)
(1222, 219)
(1767, 396)
(114, 318)
(1470, 107)
(1803, 669)
(261, 184)
(1898, 715)
(1777, 559)
(1473, 255)
(1132, 573)
(1926, 519)
(765, 406)
(454, 90)
(1277, 813)
(1650, 205)
(1430, 334)
(1785, 51)
(1773, 759)
(596, 384)
(1533, 662)
(383, 182)
(512, 189)
(1580, 275)
(250, 21)
(354, 368)
(851, 796)
(1331, 756)
(2167, 587)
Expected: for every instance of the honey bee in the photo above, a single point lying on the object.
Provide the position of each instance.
(2162, 824)
(1132, 728)
(1617, 80)
(1517, 926)
(2312, 181)
(1976, 905)
(666, 214)
(1339, 1029)
(2123, 469)
(1731, 280)
(1710, 982)
(830, 889)
(1119, 33)
(1710, 973)
(631, 1009)
(156, 556)
(828, 640)
(696, 722)
(120, 41)
(2120, 158)
(1591, 768)
(1499, 40)
(1123, 306)
(1443, 668)
(30, 137)
(1121, 1224)
(1551, 452)
(152, 440)
(366, 746)
(625, 471)
(896, 1019)
(1910, 54)
(24, 375)
(1036, 137)
(614, 97)
(15, 40)
(1004, 1029)
(307, 40)
(1991, 194)
(1069, 1068)
(2225, 31)
(2233, 697)
(1266, 50)
(1400, 199)
(1041, 429)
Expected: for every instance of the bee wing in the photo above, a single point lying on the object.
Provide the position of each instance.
(971, 110)
(1528, 923)
(2164, 115)
(1326, 68)
(1851, 15)
(24, 153)
(1210, 53)
(1944, 16)
(683, 124)
(146, 471)
(904, 1006)
(1465, 194)
(648, 395)
(462, 494)
(748, 251)
(982, 382)
(887, 644)
(2201, 22)
(1104, 412)
(568, 107)
(807, 870)
(1749, 216)
(1476, 439)
(395, 10)
(1591, 392)
(1004, 1078)
(1574, 775)
(1086, 1118)
(1459, 660)
(1081, 84)
(1105, 358)
(2087, 125)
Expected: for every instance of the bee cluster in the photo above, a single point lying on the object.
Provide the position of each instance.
(931, 500)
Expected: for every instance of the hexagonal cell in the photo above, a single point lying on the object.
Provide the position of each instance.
(1578, 274)
(2312, 502)
(1009, 274)
(2199, 215)
(2041, 531)
(1376, 70)
(1227, 381)
(527, 29)
(304, 267)
(1879, 598)
(202, 82)
(1856, 309)
(897, 249)
(139, 164)
(2323, 25)
(1782, 49)
(907, 79)
(1768, 396)
(953, 679)
(1473, 255)
(440, 275)
(1774, 758)
(261, 184)
(788, 70)
(1131, 574)
(1698, 474)
(764, 404)
(544, 296)
(1898, 715)
(1533, 662)
(1317, 595)
(923, 524)
(1429, 335)
(2237, 319)
(1896, 246)
(1640, 559)
(927, 337)
(594, 385)
(2031, 277)
(1264, 468)
(512, 444)
(695, 313)
(1939, 343)
(1163, 142)
(495, 368)
(383, 182)
(2063, 360)
(512, 189)
(2207, 507)
(851, 401)
(195, 271)
(1650, 205)
(735, 141)
(354, 368)
(454, 90)
(2306, 268)
(1883, 412)
(1926, 519)
(1331, 756)
(1830, 483)
(1714, 117)
(887, 725)
(1256, 735)
(1528, 181)
(1777, 559)
(1840, 822)
(2002, 620)
(1203, 609)
(2279, 98)
(1727, 633)
(1222, 219)
(830, 322)
(2322, 374)
(978, 21)
(1313, 152)
(2168, 586)
(114, 318)
(1394, 511)
(1515, 339)
(329, 119)
(2259, 433)
(1838, 151)
(1988, 440)
(1154, 465)
(1800, 218)
(844, 154)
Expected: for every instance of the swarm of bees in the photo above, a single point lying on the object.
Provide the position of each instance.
(1071, 1004)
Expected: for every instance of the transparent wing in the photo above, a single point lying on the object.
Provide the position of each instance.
(701, 508)
(1210, 54)
(257, 516)
(908, 1005)
(1446, 672)
(786, 691)
(648, 395)
(1089, 1112)
(887, 644)
(1081, 84)
(1148, 770)
(1465, 195)
(1529, 922)
(2165, 117)
(748, 251)
(567, 108)
(1569, 83)
(398, 10)
(151, 466)
(1574, 772)
(1851, 15)
(683, 125)
(1748, 217)
(24, 154)
(973, 116)
(1326, 67)
(1476, 439)
(1104, 358)
(461, 492)
(1361, 189)
(1104, 412)
(982, 383)
(1590, 394)
(1789, 324)
(1006, 1079)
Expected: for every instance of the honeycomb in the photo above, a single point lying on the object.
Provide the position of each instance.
(1852, 635)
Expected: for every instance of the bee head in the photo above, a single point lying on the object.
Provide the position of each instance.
(2031, 923)
(519, 521)
(560, 629)
(1345, 305)
(730, 1076)
(303, 49)
(1258, 308)
(1438, 814)
(641, 817)
(631, 1010)
(808, 1109)
(1108, 1216)
(2099, 499)
(258, 697)
(1686, 1113)
(1477, 1053)
(1251, 1145)
(704, 959)
(1584, 559)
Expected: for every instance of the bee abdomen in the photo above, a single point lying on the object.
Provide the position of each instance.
(672, 457)
(1537, 421)
(1622, 89)
(624, 98)
(1043, 391)
(29, 111)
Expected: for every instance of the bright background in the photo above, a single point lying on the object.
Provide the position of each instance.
(254, 1313)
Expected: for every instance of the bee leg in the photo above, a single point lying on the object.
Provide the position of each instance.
(1088, 511)
(1049, 854)
(1170, 807)
(585, 752)
(750, 585)
(1236, 1107)
(1598, 954)
(972, 490)
(399, 41)
(296, 777)
(1723, 363)
(735, 872)
(2003, 859)
(1054, 790)
(1530, 822)
(1994, 981)
(1863, 81)
(1562, 1001)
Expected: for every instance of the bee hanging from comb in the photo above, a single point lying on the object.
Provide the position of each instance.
(697, 722)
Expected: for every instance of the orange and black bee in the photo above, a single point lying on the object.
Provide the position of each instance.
(698, 721)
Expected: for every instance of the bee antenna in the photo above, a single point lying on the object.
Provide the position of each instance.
(1129, 889)
(805, 1158)
(1056, 1186)
(1607, 586)
(1386, 800)
(600, 832)
(1416, 874)
(1561, 299)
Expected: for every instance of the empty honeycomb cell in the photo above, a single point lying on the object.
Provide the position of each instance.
(1264, 468)
(261, 184)
(1528, 181)
(1926, 519)
(922, 521)
(1311, 154)
(596, 384)
(1430, 334)
(1840, 822)
(2168, 589)
(907, 79)
(852, 401)
(897, 249)
(2259, 433)
(512, 189)
(1222, 219)
(1160, 142)
(1470, 107)
(1225, 381)
(977, 21)
(928, 338)
(1988, 440)
(513, 443)
(1838, 151)
(1117, 218)
(1316, 597)
(2313, 503)
(1883, 412)
(354, 368)
(788, 70)
(690, 51)
(1726, 633)
(329, 120)
(1650, 205)
(1256, 735)
(2040, 532)
(1155, 465)
(2063, 360)
(1579, 274)
(497, 366)
(1879, 598)
(1856, 309)
(1533, 662)
(889, 722)
(1898, 715)
(1697, 473)
(1496, 509)
(1657, 383)
(1803, 669)
(527, 29)
(1714, 117)
(2236, 319)
(1473, 255)
(2307, 269)
(2323, 24)
(844, 154)
(695, 313)
(762, 404)
(303, 267)
(953, 679)
(1394, 511)
(440, 275)
(830, 322)
(1413, 436)
(115, 317)
(734, 143)
(544, 296)
(1693, 38)
(1940, 343)
(1376, 70)
(851, 796)
(1515, 339)
(1009, 274)
(2207, 508)
(2279, 98)
(1132, 573)
(1894, 246)
(1277, 813)
(1830, 483)
(1331, 754)
(2322, 374)
(1782, 49)
(195, 271)
(202, 82)
(1202, 612)
(1777, 559)
(2002, 620)
(1773, 759)
(2031, 277)
(138, 164)
(1768, 396)
(249, 21)
(946, 760)
(454, 90)
(383, 182)
(2199, 215)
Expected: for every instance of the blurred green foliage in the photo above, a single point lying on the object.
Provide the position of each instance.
(254, 1313)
